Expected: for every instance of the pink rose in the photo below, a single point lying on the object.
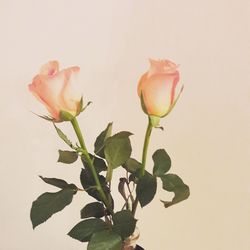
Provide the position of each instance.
(157, 88)
(57, 90)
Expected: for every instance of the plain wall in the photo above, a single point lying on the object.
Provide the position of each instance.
(207, 134)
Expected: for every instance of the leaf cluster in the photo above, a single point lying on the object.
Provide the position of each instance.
(100, 225)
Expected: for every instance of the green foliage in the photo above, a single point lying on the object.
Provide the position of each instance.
(98, 163)
(64, 137)
(86, 228)
(124, 223)
(162, 162)
(173, 183)
(59, 183)
(134, 177)
(132, 165)
(105, 240)
(89, 184)
(118, 149)
(121, 187)
(67, 157)
(48, 204)
(146, 188)
(100, 140)
(94, 209)
(137, 247)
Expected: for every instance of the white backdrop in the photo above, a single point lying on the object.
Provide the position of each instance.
(207, 134)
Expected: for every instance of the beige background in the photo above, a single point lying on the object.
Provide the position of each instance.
(207, 134)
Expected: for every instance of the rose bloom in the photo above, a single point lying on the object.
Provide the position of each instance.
(157, 88)
(57, 90)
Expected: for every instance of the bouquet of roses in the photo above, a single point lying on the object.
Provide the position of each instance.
(101, 225)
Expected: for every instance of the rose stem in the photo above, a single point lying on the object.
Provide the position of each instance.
(145, 148)
(144, 159)
(90, 163)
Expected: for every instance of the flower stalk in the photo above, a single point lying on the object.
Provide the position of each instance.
(99, 188)
(144, 159)
(145, 147)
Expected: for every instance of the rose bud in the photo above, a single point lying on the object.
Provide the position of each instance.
(157, 88)
(58, 91)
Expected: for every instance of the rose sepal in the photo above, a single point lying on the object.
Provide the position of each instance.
(46, 117)
(154, 121)
(81, 108)
(175, 101)
(143, 104)
(66, 116)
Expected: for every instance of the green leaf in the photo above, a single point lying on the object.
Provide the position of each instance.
(146, 189)
(64, 137)
(59, 183)
(100, 140)
(134, 177)
(162, 162)
(98, 163)
(67, 157)
(85, 229)
(94, 209)
(132, 165)
(121, 187)
(89, 184)
(118, 149)
(105, 240)
(137, 247)
(48, 204)
(124, 223)
(173, 183)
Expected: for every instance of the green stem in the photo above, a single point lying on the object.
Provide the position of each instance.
(145, 147)
(90, 164)
(144, 159)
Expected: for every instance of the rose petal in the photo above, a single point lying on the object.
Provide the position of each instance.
(141, 83)
(161, 67)
(58, 91)
(158, 93)
(50, 69)
(36, 91)
(70, 95)
(49, 89)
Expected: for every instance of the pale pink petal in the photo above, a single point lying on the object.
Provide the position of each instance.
(50, 69)
(158, 93)
(141, 83)
(57, 90)
(71, 94)
(49, 89)
(161, 67)
(176, 78)
(40, 94)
